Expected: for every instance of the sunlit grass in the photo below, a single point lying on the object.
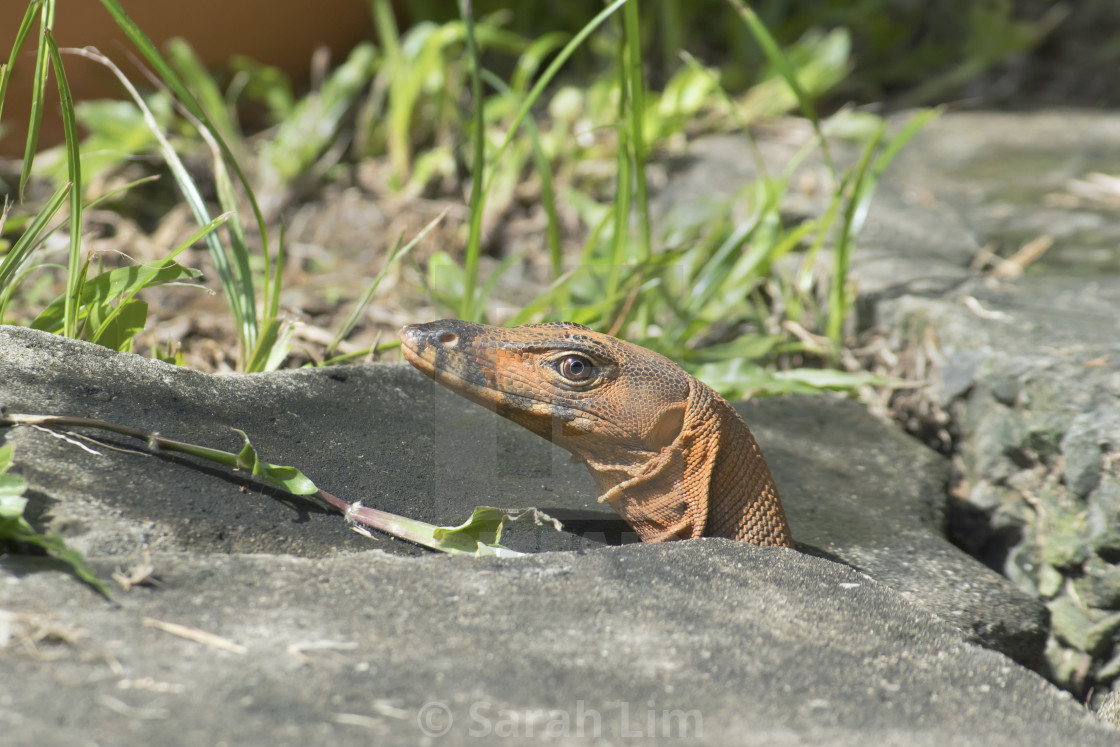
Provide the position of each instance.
(689, 291)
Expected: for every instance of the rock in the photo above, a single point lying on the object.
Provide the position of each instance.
(875, 498)
(1050, 581)
(345, 636)
(1081, 628)
(882, 513)
(1022, 568)
(732, 641)
(1033, 390)
(1011, 517)
(1067, 667)
(1099, 584)
(1110, 670)
(1063, 543)
(1024, 367)
(1104, 517)
(957, 375)
(1109, 711)
(1089, 436)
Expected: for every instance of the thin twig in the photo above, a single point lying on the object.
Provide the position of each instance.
(195, 634)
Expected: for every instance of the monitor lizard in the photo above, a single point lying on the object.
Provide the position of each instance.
(668, 453)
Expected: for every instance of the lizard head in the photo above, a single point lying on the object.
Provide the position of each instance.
(603, 399)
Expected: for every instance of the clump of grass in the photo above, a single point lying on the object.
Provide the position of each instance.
(714, 279)
(104, 308)
(712, 295)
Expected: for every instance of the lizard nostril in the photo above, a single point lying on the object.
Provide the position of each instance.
(448, 338)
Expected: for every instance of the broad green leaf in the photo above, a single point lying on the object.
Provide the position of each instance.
(129, 320)
(829, 378)
(12, 487)
(749, 347)
(56, 546)
(484, 529)
(111, 285)
(6, 453)
(14, 527)
(288, 478)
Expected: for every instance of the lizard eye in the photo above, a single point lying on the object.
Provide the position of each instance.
(574, 368)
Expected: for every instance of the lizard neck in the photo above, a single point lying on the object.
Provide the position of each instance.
(743, 501)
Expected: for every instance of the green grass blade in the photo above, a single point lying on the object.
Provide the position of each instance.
(236, 286)
(120, 190)
(7, 293)
(21, 37)
(468, 309)
(75, 268)
(18, 253)
(544, 171)
(173, 81)
(624, 180)
(863, 184)
(530, 60)
(892, 149)
(632, 79)
(733, 110)
(404, 82)
(30, 238)
(300, 141)
(550, 73)
(526, 107)
(272, 296)
(838, 299)
(773, 52)
(620, 213)
(272, 343)
(396, 255)
(197, 78)
(385, 21)
(38, 91)
(240, 291)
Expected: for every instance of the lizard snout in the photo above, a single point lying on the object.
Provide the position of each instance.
(438, 344)
(445, 333)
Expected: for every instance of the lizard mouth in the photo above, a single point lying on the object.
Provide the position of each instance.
(416, 352)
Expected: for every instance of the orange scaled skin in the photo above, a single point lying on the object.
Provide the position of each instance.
(666, 452)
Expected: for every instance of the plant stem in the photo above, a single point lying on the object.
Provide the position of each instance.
(468, 304)
(403, 527)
